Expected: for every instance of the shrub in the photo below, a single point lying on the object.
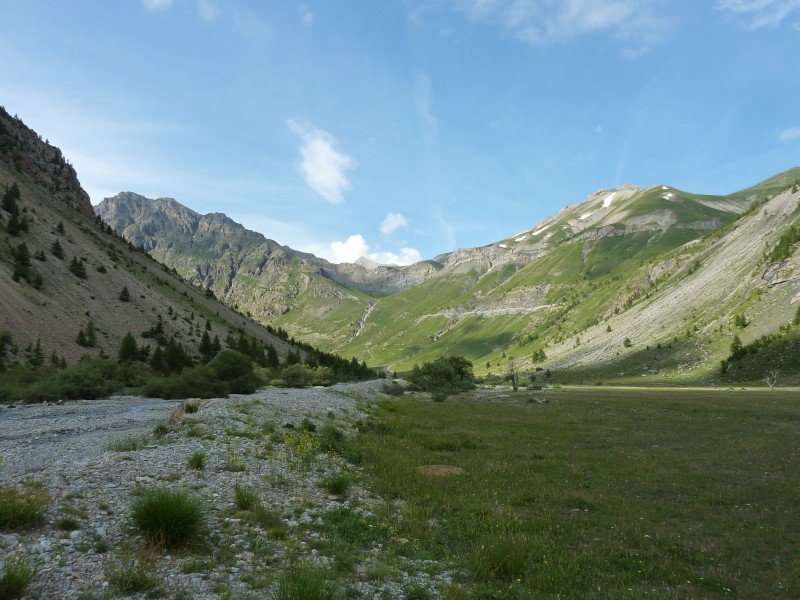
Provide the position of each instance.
(296, 376)
(393, 388)
(22, 508)
(171, 518)
(16, 577)
(443, 377)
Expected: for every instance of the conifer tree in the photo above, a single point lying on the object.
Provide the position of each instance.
(57, 250)
(125, 295)
(77, 267)
(128, 350)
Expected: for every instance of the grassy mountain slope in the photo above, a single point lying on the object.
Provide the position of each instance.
(51, 304)
(630, 282)
(665, 269)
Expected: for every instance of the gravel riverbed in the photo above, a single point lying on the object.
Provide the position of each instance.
(256, 440)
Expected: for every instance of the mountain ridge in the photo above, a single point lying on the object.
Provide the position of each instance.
(519, 296)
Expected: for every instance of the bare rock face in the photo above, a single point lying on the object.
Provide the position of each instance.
(23, 148)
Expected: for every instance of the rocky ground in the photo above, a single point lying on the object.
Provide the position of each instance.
(92, 456)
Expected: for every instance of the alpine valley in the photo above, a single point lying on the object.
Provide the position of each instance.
(630, 285)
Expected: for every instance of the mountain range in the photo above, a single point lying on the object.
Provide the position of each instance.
(630, 284)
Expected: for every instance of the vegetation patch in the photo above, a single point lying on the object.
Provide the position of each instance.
(17, 576)
(168, 517)
(22, 507)
(634, 492)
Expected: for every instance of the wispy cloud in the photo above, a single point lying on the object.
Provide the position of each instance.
(392, 223)
(154, 5)
(788, 135)
(207, 10)
(323, 166)
(543, 22)
(306, 16)
(428, 125)
(756, 14)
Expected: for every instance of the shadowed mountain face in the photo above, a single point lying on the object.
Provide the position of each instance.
(61, 268)
(628, 282)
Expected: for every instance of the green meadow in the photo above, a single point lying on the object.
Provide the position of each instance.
(594, 492)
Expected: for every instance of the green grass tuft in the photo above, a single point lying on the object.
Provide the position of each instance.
(16, 577)
(245, 497)
(303, 582)
(197, 460)
(22, 508)
(129, 444)
(337, 484)
(168, 517)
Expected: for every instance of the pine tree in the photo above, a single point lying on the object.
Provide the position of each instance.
(10, 198)
(57, 250)
(125, 295)
(77, 267)
(128, 350)
(208, 324)
(36, 358)
(206, 347)
(60, 227)
(91, 335)
(157, 362)
(16, 224)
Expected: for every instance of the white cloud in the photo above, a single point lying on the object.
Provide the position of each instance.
(306, 16)
(756, 14)
(407, 256)
(153, 5)
(541, 22)
(323, 167)
(356, 246)
(207, 10)
(787, 135)
(350, 251)
(392, 223)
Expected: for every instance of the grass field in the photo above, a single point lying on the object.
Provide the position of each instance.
(596, 492)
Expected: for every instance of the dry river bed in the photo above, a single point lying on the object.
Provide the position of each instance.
(67, 449)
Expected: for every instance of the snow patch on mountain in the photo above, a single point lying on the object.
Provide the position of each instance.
(540, 230)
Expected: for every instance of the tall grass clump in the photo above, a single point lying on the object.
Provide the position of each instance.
(245, 497)
(337, 484)
(134, 574)
(22, 508)
(303, 582)
(197, 460)
(131, 443)
(16, 578)
(169, 518)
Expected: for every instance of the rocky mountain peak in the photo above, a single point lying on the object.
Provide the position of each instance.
(23, 149)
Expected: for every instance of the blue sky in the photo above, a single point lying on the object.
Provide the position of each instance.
(401, 129)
